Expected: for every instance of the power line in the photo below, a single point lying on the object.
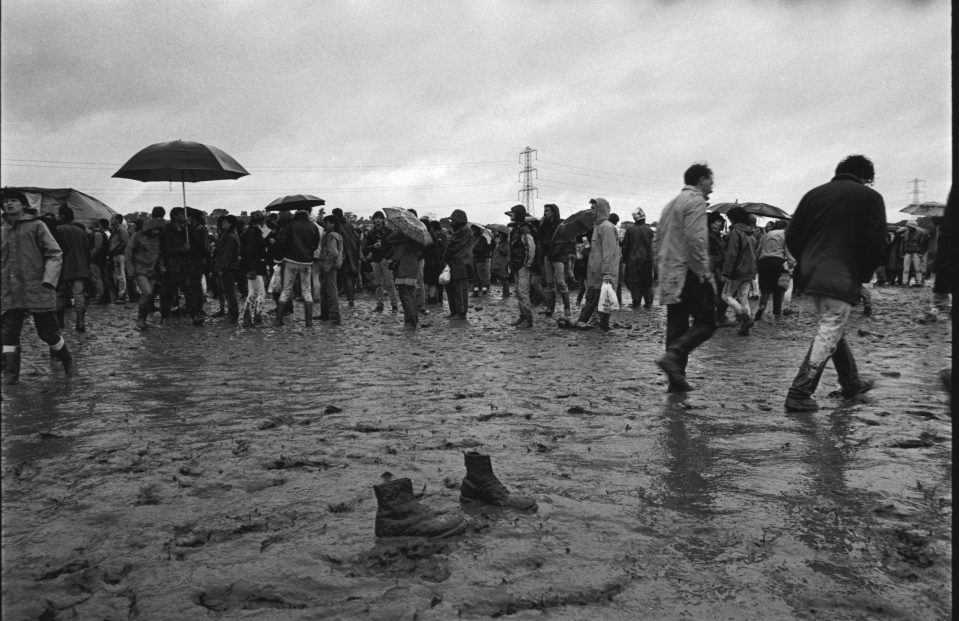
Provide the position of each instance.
(527, 172)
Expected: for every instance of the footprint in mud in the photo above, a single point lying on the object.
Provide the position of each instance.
(424, 558)
(240, 597)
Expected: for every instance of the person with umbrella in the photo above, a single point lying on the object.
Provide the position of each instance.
(378, 250)
(405, 256)
(459, 256)
(175, 266)
(30, 261)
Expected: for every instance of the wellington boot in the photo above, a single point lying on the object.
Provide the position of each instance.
(674, 371)
(247, 319)
(759, 313)
(11, 367)
(278, 318)
(565, 297)
(481, 485)
(81, 324)
(519, 321)
(550, 303)
(61, 314)
(399, 514)
(745, 323)
(308, 311)
(63, 356)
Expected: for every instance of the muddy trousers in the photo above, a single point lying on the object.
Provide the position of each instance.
(11, 326)
(590, 306)
(228, 281)
(457, 291)
(829, 342)
(383, 279)
(75, 288)
(736, 295)
(524, 278)
(329, 296)
(641, 295)
(917, 262)
(255, 297)
(697, 301)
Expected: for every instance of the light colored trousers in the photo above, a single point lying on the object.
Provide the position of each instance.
(833, 316)
(917, 261)
(292, 271)
(736, 295)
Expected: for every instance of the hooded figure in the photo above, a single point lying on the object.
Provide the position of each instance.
(638, 260)
(555, 250)
(603, 265)
(459, 257)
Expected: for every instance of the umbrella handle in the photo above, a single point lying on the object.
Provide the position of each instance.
(186, 229)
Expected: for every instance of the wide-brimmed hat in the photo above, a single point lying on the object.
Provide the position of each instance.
(517, 212)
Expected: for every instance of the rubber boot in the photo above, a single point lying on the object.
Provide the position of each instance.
(604, 322)
(11, 367)
(672, 366)
(399, 514)
(852, 385)
(745, 323)
(276, 300)
(550, 303)
(481, 485)
(81, 320)
(142, 311)
(526, 320)
(565, 296)
(63, 356)
(247, 319)
(61, 314)
(799, 397)
(759, 313)
(308, 309)
(280, 308)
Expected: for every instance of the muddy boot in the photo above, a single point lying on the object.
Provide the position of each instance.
(745, 323)
(142, 312)
(276, 300)
(852, 386)
(247, 319)
(550, 303)
(81, 320)
(481, 485)
(519, 320)
(526, 321)
(799, 397)
(257, 319)
(11, 367)
(278, 319)
(63, 356)
(867, 310)
(604, 322)
(759, 313)
(308, 310)
(399, 514)
(673, 369)
(566, 312)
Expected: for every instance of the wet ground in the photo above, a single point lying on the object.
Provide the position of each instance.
(224, 473)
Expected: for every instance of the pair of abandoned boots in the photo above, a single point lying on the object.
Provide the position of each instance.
(399, 514)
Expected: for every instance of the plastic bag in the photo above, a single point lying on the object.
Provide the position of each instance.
(445, 276)
(784, 279)
(607, 299)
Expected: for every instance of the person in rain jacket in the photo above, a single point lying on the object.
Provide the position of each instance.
(30, 262)
(75, 271)
(522, 257)
(405, 260)
(836, 233)
(686, 283)
(142, 258)
(332, 257)
(253, 256)
(739, 267)
(638, 259)
(459, 256)
(481, 261)
(603, 265)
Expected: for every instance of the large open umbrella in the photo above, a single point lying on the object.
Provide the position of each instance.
(757, 209)
(925, 209)
(182, 161)
(294, 202)
(86, 209)
(408, 224)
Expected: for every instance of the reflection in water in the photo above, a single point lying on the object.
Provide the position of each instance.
(687, 458)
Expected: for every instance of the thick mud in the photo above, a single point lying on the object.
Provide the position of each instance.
(224, 473)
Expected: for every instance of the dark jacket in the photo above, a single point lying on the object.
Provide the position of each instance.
(76, 251)
(638, 256)
(377, 235)
(298, 239)
(227, 253)
(459, 252)
(717, 250)
(406, 255)
(837, 233)
(253, 251)
(547, 230)
(740, 260)
(481, 249)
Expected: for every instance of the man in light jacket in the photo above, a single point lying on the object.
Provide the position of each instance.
(686, 283)
(837, 234)
(30, 262)
(603, 265)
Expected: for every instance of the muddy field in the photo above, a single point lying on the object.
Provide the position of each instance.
(223, 473)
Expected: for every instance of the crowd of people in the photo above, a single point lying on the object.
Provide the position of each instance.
(709, 268)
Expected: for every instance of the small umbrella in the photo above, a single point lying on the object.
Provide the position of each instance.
(408, 224)
(580, 223)
(925, 209)
(757, 209)
(182, 161)
(294, 202)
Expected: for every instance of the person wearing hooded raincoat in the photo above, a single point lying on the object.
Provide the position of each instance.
(459, 256)
(739, 267)
(30, 262)
(350, 269)
(142, 257)
(555, 250)
(686, 283)
(604, 259)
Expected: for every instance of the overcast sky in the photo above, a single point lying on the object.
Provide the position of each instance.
(428, 104)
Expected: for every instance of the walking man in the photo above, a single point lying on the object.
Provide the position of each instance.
(30, 262)
(686, 283)
(837, 234)
(603, 265)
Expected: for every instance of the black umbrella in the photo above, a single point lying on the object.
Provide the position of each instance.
(294, 202)
(182, 161)
(580, 223)
(757, 209)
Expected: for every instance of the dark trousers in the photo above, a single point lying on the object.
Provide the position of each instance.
(11, 325)
(407, 295)
(697, 301)
(185, 282)
(641, 295)
(329, 296)
(458, 293)
(589, 307)
(228, 284)
(721, 306)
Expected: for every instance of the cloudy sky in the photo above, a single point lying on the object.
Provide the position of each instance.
(428, 104)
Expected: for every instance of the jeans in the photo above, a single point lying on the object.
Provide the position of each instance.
(119, 285)
(696, 301)
(97, 275)
(915, 260)
(11, 325)
(75, 288)
(524, 278)
(145, 285)
(554, 276)
(255, 296)
(458, 293)
(481, 274)
(828, 342)
(408, 298)
(383, 279)
(590, 305)
(292, 272)
(228, 280)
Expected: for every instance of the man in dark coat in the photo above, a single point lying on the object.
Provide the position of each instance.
(350, 269)
(837, 234)
(638, 259)
(76, 268)
(459, 256)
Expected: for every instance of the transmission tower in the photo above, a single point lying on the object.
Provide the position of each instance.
(915, 190)
(528, 173)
